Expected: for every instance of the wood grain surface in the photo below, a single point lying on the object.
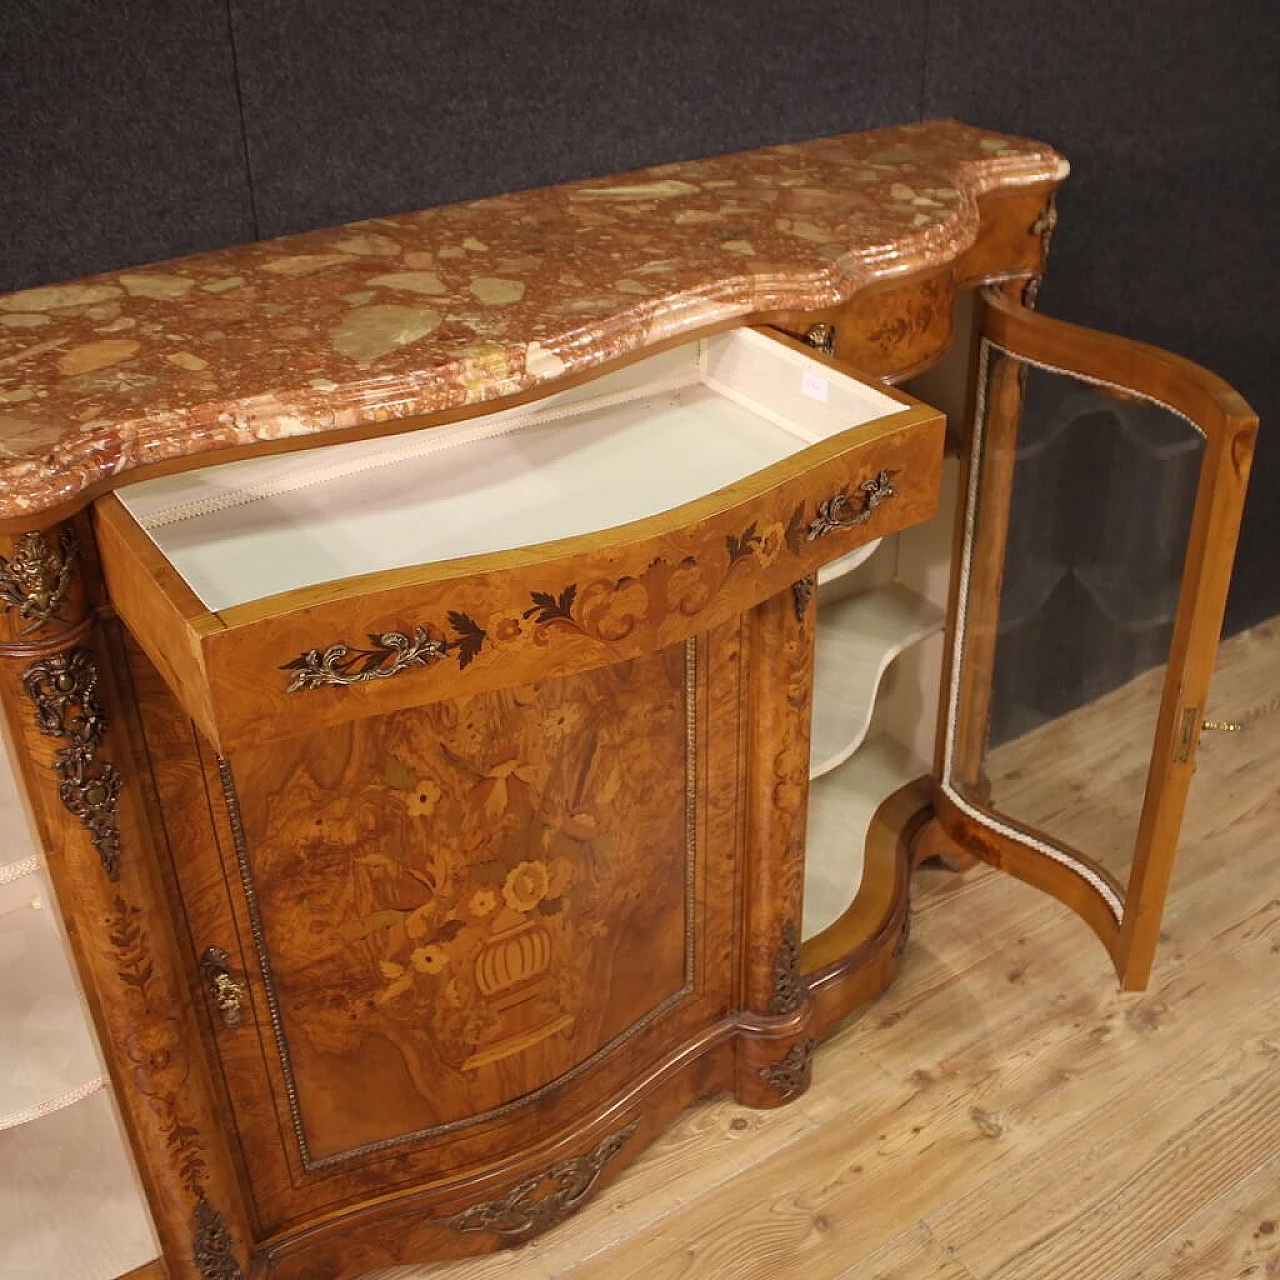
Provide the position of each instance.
(439, 915)
(1004, 1111)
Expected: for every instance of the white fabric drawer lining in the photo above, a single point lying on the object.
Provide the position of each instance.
(642, 440)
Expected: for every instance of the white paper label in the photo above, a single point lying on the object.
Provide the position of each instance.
(814, 386)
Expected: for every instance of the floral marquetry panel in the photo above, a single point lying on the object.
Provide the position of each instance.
(457, 910)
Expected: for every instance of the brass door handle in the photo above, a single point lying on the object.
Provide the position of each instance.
(224, 990)
(843, 510)
(389, 654)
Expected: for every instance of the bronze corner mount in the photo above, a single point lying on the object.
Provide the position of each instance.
(34, 580)
(63, 687)
(1043, 227)
(788, 989)
(212, 1245)
(801, 593)
(822, 337)
(789, 1075)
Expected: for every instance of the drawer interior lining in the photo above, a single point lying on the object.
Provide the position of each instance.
(631, 444)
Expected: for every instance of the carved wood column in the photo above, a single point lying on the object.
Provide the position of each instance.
(64, 722)
(776, 1044)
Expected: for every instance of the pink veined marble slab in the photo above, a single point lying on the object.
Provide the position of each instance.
(395, 317)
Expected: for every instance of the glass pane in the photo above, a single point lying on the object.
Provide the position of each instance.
(1084, 506)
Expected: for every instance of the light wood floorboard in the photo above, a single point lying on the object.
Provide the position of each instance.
(1237, 1237)
(1004, 1112)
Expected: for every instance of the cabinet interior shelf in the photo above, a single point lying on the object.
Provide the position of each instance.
(48, 1060)
(847, 563)
(842, 803)
(858, 639)
(72, 1208)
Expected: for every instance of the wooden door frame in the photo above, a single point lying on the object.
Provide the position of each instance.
(1229, 427)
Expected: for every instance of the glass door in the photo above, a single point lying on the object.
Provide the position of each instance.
(1104, 490)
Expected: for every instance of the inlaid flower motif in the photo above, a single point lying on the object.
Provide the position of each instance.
(497, 787)
(560, 722)
(421, 801)
(505, 626)
(483, 901)
(559, 876)
(688, 587)
(155, 1050)
(429, 959)
(525, 886)
(478, 1023)
(771, 538)
(419, 921)
(398, 981)
(581, 826)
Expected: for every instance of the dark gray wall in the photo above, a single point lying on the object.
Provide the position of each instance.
(132, 130)
(1170, 115)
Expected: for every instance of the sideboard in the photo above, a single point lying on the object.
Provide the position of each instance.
(481, 678)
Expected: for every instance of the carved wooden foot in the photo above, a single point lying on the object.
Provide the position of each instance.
(931, 843)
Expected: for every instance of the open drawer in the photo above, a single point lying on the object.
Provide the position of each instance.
(284, 593)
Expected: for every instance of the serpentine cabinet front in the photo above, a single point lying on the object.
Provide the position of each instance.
(434, 815)
(488, 866)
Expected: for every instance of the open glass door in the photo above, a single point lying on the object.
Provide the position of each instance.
(1104, 490)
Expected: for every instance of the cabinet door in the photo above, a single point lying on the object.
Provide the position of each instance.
(434, 920)
(1103, 497)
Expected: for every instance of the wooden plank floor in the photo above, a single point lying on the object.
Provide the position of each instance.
(1004, 1111)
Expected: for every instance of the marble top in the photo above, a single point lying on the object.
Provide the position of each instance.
(396, 317)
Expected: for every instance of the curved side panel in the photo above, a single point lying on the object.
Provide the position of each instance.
(851, 962)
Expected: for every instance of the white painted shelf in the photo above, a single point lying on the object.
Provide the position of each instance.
(70, 1203)
(18, 853)
(48, 1057)
(841, 806)
(47, 1052)
(70, 1208)
(848, 562)
(858, 639)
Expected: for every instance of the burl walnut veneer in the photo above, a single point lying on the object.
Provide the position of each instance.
(434, 817)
